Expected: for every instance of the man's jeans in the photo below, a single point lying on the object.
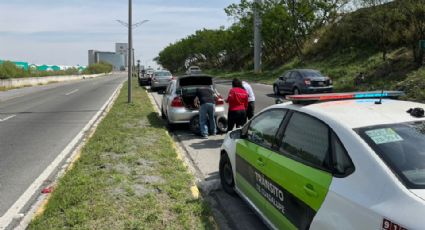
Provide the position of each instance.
(206, 112)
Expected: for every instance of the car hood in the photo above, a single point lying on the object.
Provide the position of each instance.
(419, 193)
(195, 80)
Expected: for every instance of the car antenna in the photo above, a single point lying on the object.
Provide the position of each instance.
(380, 98)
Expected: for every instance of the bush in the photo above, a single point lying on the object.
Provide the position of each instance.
(101, 67)
(9, 70)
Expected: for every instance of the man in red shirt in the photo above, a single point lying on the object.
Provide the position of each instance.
(238, 103)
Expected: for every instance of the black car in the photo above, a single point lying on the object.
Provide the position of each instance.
(302, 81)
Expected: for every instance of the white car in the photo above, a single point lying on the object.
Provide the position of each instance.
(331, 161)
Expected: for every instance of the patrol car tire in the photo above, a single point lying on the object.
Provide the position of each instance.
(226, 175)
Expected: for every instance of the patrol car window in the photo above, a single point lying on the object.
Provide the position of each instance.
(262, 129)
(402, 148)
(306, 139)
(342, 163)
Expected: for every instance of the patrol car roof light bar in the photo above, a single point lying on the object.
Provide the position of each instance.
(312, 98)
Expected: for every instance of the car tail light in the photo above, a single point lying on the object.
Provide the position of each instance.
(219, 100)
(307, 81)
(177, 102)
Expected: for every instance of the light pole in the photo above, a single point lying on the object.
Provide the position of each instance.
(130, 26)
(257, 37)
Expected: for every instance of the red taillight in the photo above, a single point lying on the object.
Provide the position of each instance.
(307, 81)
(219, 100)
(177, 102)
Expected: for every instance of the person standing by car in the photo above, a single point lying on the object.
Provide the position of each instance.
(251, 100)
(238, 103)
(206, 98)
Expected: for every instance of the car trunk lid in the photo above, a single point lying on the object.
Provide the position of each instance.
(195, 80)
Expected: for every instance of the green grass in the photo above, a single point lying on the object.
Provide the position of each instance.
(343, 68)
(128, 177)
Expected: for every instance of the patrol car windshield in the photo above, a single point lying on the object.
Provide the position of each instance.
(402, 148)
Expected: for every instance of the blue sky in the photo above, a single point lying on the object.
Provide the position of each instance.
(61, 31)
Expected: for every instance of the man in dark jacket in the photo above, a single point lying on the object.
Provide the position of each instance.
(206, 97)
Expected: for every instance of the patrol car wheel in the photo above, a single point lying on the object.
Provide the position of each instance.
(226, 175)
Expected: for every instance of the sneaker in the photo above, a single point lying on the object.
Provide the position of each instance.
(204, 137)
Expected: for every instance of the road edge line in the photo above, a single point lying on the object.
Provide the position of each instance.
(72, 148)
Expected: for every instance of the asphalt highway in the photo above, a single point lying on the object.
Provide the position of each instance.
(38, 123)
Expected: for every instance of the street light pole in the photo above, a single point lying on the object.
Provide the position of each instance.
(257, 37)
(130, 49)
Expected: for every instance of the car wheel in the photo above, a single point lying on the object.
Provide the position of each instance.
(276, 90)
(226, 175)
(221, 123)
(296, 91)
(194, 125)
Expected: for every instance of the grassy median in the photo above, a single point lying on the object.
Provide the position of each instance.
(128, 177)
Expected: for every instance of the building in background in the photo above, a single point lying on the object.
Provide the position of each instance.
(122, 48)
(118, 59)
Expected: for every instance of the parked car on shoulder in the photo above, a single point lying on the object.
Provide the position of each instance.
(178, 103)
(302, 81)
(160, 79)
(193, 70)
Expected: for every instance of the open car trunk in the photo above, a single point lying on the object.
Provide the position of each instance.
(188, 94)
(188, 86)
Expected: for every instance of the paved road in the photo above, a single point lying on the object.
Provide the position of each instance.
(231, 211)
(37, 123)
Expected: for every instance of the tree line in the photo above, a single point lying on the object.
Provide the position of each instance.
(303, 29)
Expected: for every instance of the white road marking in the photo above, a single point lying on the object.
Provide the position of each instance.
(16, 208)
(73, 91)
(7, 118)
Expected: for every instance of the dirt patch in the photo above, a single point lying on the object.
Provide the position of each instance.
(122, 168)
(141, 190)
(148, 179)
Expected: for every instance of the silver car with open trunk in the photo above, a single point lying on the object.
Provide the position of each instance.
(178, 102)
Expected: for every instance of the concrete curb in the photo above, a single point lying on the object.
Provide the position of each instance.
(23, 82)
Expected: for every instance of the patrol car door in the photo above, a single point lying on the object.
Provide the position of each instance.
(298, 172)
(252, 153)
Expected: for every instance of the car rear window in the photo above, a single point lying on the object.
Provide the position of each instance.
(162, 74)
(402, 148)
(311, 74)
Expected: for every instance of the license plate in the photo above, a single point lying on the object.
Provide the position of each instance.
(320, 83)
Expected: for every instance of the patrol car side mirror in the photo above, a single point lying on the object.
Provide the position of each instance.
(244, 131)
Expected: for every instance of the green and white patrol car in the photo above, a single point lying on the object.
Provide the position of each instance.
(340, 161)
